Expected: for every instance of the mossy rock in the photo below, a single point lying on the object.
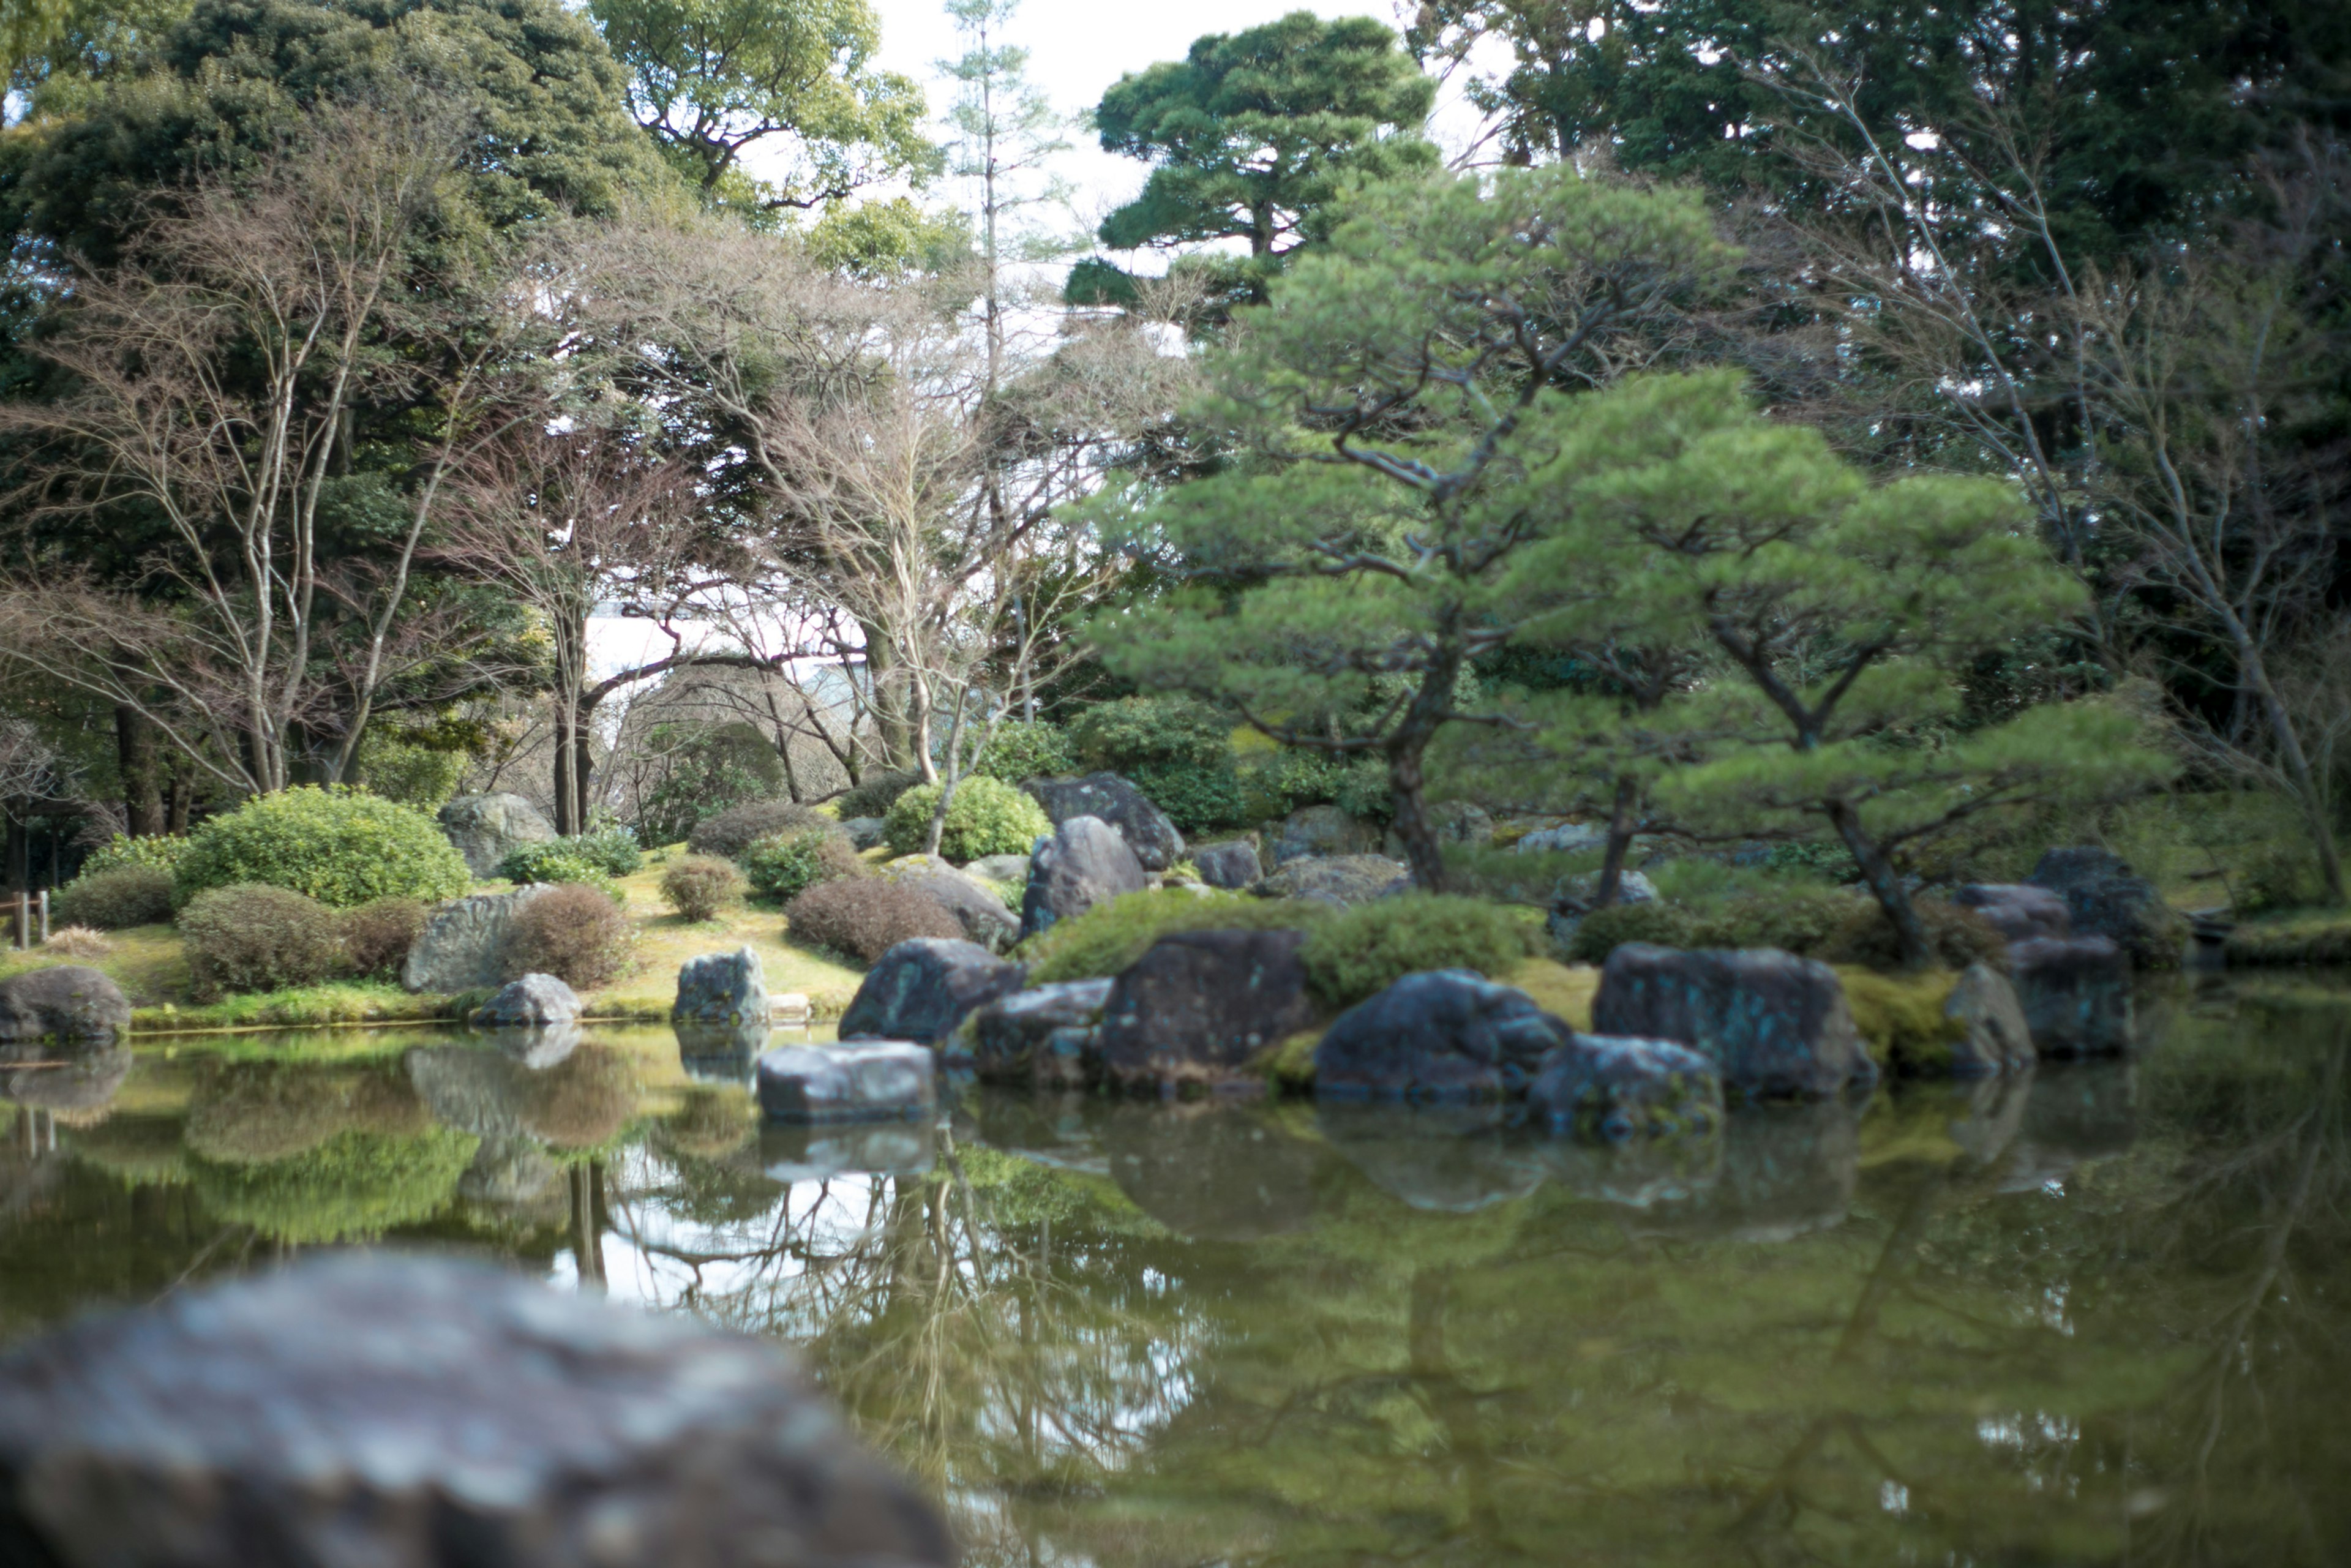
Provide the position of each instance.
(1902, 1018)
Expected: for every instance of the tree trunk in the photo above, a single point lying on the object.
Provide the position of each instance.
(1621, 822)
(564, 826)
(2308, 795)
(142, 783)
(889, 714)
(1885, 885)
(1412, 824)
(583, 770)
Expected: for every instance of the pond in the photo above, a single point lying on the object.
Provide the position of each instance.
(2103, 1315)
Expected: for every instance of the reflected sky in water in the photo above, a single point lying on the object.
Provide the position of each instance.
(2103, 1315)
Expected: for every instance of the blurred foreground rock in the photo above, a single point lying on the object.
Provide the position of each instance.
(387, 1411)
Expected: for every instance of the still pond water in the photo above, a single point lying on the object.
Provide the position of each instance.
(2100, 1317)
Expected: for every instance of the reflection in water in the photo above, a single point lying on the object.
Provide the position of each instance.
(2094, 1315)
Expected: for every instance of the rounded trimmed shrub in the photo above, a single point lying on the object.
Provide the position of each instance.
(1360, 952)
(250, 936)
(573, 932)
(864, 917)
(116, 898)
(1603, 931)
(987, 817)
(728, 833)
(876, 793)
(378, 935)
(785, 865)
(1026, 749)
(606, 853)
(699, 886)
(342, 847)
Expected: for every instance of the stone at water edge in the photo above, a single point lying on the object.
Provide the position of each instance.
(405, 1410)
(485, 829)
(1774, 1024)
(1339, 882)
(1199, 1006)
(1444, 1034)
(1993, 1035)
(722, 989)
(860, 1081)
(1107, 798)
(463, 945)
(1230, 865)
(2107, 899)
(63, 1002)
(534, 1002)
(1082, 863)
(1046, 1037)
(923, 987)
(1617, 1089)
(2018, 910)
(2076, 993)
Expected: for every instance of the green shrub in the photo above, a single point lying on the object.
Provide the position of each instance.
(877, 793)
(1797, 918)
(250, 936)
(1603, 931)
(1026, 749)
(987, 817)
(559, 870)
(573, 932)
(116, 898)
(399, 769)
(1959, 936)
(1198, 797)
(699, 886)
(340, 846)
(728, 833)
(704, 770)
(1277, 783)
(606, 853)
(378, 935)
(1822, 860)
(1136, 732)
(785, 865)
(157, 851)
(1360, 952)
(864, 917)
(1364, 791)
(1108, 937)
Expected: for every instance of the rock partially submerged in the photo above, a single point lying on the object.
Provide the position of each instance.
(1617, 1089)
(380, 1408)
(63, 1002)
(1776, 1025)
(864, 1081)
(464, 944)
(1991, 1034)
(1084, 862)
(1445, 1034)
(1110, 798)
(2076, 995)
(1045, 1039)
(534, 1002)
(1199, 1007)
(922, 988)
(722, 990)
(485, 829)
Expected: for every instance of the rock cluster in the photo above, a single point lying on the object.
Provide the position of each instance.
(1110, 799)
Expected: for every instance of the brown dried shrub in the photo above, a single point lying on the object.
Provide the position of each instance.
(379, 934)
(865, 917)
(699, 886)
(573, 932)
(249, 938)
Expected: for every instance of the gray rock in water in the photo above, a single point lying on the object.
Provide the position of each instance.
(2017, 910)
(1616, 1089)
(1231, 864)
(2107, 899)
(63, 1002)
(865, 832)
(1199, 1007)
(1082, 863)
(864, 1081)
(411, 1411)
(1775, 1025)
(721, 990)
(1445, 1034)
(978, 908)
(464, 944)
(922, 988)
(1044, 1037)
(488, 828)
(720, 1052)
(1321, 832)
(1340, 882)
(1993, 1034)
(1110, 798)
(535, 1002)
(2076, 993)
(1013, 869)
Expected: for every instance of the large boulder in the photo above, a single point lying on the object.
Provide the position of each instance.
(1339, 882)
(63, 1002)
(859, 1080)
(1617, 1089)
(2017, 910)
(1199, 1006)
(2076, 993)
(1446, 1034)
(464, 944)
(488, 828)
(2107, 899)
(405, 1410)
(1315, 832)
(1110, 798)
(1044, 1037)
(923, 987)
(1084, 862)
(1776, 1025)
(722, 991)
(1989, 1033)
(1232, 864)
(534, 1002)
(976, 906)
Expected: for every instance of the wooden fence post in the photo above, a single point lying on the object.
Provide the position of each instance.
(45, 917)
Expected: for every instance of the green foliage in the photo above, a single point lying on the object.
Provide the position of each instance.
(874, 794)
(1197, 798)
(1360, 952)
(252, 937)
(1362, 791)
(728, 833)
(352, 1187)
(785, 865)
(1808, 921)
(339, 846)
(378, 935)
(699, 886)
(987, 817)
(1108, 937)
(573, 932)
(159, 851)
(706, 770)
(1276, 782)
(115, 898)
(1959, 938)
(400, 768)
(864, 917)
(1604, 931)
(1026, 749)
(604, 853)
(1815, 858)
(1137, 732)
